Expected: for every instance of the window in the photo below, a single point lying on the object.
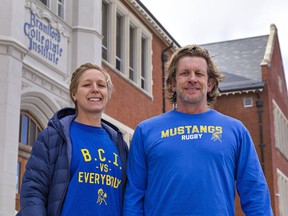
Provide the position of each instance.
(132, 34)
(20, 172)
(28, 132)
(18, 177)
(127, 45)
(105, 26)
(280, 130)
(282, 181)
(61, 8)
(45, 2)
(18, 183)
(119, 42)
(144, 63)
(29, 129)
(280, 84)
(248, 102)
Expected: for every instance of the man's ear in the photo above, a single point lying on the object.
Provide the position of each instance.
(173, 87)
(211, 84)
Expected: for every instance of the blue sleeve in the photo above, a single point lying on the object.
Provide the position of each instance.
(34, 190)
(250, 180)
(137, 175)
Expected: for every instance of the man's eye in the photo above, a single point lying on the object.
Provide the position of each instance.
(184, 73)
(199, 74)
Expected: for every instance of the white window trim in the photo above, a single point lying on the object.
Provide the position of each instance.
(282, 181)
(126, 131)
(63, 8)
(115, 7)
(248, 105)
(280, 130)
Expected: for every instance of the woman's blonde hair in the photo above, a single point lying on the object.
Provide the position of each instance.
(79, 71)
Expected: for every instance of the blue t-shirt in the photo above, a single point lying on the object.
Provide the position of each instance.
(190, 164)
(95, 186)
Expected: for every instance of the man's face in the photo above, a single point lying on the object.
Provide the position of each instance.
(192, 83)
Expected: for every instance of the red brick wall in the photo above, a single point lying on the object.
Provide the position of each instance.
(233, 105)
(129, 104)
(272, 75)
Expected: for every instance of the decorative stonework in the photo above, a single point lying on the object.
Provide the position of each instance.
(62, 104)
(45, 83)
(11, 47)
(33, 5)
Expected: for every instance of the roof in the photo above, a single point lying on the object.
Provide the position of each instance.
(151, 21)
(240, 62)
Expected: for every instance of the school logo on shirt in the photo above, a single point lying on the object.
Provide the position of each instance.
(189, 132)
(101, 197)
(217, 135)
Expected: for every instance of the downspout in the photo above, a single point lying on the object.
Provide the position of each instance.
(259, 105)
(164, 59)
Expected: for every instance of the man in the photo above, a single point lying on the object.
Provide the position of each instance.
(189, 160)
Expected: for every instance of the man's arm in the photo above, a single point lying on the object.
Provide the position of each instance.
(137, 177)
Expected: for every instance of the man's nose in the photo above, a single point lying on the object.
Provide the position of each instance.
(192, 77)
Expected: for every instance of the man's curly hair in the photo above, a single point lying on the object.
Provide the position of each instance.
(213, 71)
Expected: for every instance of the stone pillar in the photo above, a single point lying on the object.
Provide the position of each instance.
(11, 56)
(87, 33)
(10, 99)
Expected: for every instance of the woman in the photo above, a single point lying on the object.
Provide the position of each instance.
(77, 165)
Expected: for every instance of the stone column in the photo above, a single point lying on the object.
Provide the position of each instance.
(11, 56)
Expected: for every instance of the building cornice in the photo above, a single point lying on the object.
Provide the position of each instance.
(44, 82)
(266, 61)
(9, 46)
(240, 92)
(153, 23)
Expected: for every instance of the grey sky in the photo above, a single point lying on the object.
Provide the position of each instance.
(200, 22)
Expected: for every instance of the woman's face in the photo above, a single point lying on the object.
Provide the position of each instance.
(91, 93)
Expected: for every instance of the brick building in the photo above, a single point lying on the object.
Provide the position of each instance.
(255, 92)
(43, 41)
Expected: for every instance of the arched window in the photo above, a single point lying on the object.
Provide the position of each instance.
(29, 129)
(28, 132)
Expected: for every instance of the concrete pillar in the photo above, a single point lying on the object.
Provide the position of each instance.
(10, 97)
(87, 33)
(11, 55)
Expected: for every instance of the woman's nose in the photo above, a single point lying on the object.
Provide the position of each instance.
(95, 88)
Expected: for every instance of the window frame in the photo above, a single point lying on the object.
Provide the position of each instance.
(246, 100)
(38, 129)
(105, 30)
(113, 61)
(45, 2)
(61, 4)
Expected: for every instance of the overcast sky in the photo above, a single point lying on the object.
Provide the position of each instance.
(201, 22)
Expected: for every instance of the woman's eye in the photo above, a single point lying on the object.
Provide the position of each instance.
(102, 85)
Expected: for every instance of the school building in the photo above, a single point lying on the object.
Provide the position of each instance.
(43, 41)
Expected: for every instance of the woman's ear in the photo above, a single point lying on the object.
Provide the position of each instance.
(74, 98)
